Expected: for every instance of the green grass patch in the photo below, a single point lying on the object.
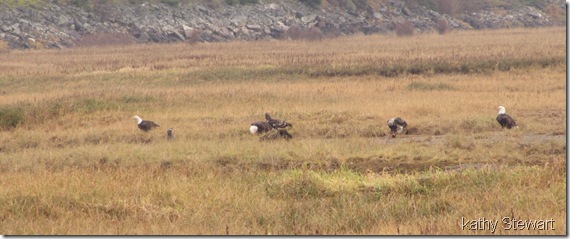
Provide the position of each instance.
(11, 116)
(423, 86)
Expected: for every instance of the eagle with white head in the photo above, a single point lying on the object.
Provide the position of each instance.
(145, 125)
(505, 120)
(397, 126)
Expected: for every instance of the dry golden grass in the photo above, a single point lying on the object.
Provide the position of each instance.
(73, 162)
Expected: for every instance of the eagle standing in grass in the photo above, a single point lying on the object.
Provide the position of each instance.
(145, 125)
(505, 120)
(260, 127)
(275, 123)
(397, 126)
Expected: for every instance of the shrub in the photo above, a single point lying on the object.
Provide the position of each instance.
(449, 7)
(234, 2)
(104, 39)
(442, 26)
(460, 142)
(555, 11)
(194, 37)
(405, 29)
(4, 46)
(34, 44)
(80, 3)
(312, 3)
(11, 117)
(172, 3)
(429, 87)
(297, 33)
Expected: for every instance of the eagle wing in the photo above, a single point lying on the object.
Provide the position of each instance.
(147, 125)
(506, 120)
(275, 123)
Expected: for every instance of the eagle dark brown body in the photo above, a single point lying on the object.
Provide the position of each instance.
(145, 125)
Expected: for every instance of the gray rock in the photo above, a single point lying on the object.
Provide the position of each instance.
(272, 6)
(239, 20)
(203, 10)
(254, 27)
(78, 26)
(6, 28)
(187, 30)
(377, 15)
(177, 35)
(226, 33)
(534, 15)
(406, 11)
(308, 19)
(62, 20)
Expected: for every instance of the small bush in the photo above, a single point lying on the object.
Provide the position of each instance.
(405, 29)
(80, 3)
(429, 87)
(137, 99)
(93, 105)
(555, 11)
(34, 44)
(460, 142)
(298, 187)
(297, 33)
(478, 124)
(11, 117)
(311, 3)
(449, 7)
(194, 37)
(171, 3)
(4, 46)
(242, 2)
(442, 26)
(105, 39)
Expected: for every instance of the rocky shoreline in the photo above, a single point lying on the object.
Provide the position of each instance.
(52, 25)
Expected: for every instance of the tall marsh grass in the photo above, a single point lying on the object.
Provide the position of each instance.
(72, 160)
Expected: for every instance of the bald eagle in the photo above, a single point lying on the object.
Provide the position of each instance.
(275, 123)
(505, 120)
(145, 125)
(170, 134)
(260, 127)
(397, 126)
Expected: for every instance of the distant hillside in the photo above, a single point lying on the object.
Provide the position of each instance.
(68, 23)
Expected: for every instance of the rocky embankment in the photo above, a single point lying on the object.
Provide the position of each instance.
(52, 25)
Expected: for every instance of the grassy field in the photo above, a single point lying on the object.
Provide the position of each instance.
(72, 160)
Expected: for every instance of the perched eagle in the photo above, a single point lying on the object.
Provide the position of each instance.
(275, 123)
(259, 127)
(397, 126)
(170, 134)
(505, 120)
(145, 125)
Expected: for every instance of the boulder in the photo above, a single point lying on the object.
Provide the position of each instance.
(187, 31)
(253, 27)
